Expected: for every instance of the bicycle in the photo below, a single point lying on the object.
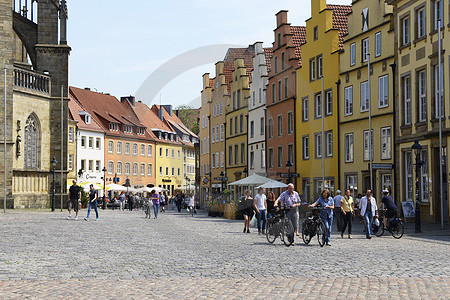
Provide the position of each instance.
(395, 226)
(312, 226)
(147, 209)
(280, 226)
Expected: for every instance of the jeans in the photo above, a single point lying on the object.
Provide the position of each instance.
(368, 220)
(338, 216)
(292, 215)
(94, 205)
(347, 218)
(328, 222)
(261, 216)
(156, 209)
(121, 205)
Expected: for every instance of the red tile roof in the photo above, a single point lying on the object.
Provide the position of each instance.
(268, 52)
(298, 39)
(233, 54)
(75, 109)
(340, 20)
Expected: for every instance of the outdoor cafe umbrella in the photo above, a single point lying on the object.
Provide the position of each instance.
(116, 187)
(252, 180)
(272, 184)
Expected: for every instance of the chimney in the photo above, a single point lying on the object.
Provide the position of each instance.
(251, 48)
(130, 99)
(87, 89)
(160, 114)
(282, 17)
(168, 108)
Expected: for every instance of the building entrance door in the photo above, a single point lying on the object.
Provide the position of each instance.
(436, 186)
(366, 184)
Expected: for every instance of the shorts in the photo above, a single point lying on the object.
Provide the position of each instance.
(248, 211)
(74, 205)
(390, 214)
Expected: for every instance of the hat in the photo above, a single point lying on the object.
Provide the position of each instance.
(338, 192)
(385, 192)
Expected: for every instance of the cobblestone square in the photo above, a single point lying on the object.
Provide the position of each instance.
(124, 255)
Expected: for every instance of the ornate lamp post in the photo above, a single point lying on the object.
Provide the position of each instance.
(289, 165)
(53, 166)
(416, 147)
(104, 188)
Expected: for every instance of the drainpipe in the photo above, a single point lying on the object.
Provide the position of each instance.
(338, 85)
(394, 124)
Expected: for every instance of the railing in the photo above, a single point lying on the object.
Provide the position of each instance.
(26, 8)
(31, 80)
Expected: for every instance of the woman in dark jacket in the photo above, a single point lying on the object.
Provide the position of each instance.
(246, 207)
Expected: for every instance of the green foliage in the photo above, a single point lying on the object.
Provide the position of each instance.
(84, 198)
(189, 116)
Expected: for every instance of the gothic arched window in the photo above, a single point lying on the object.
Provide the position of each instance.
(32, 142)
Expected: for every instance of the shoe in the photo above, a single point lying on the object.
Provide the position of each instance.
(259, 232)
(96, 219)
(368, 237)
(76, 218)
(350, 236)
(86, 219)
(245, 229)
(263, 232)
(248, 230)
(69, 217)
(342, 235)
(328, 244)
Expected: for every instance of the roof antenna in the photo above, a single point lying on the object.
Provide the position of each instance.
(160, 99)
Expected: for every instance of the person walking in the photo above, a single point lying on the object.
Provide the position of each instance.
(326, 214)
(270, 204)
(347, 213)
(122, 200)
(155, 200)
(74, 199)
(260, 205)
(179, 201)
(130, 201)
(161, 202)
(368, 211)
(191, 205)
(246, 207)
(337, 213)
(93, 202)
(290, 200)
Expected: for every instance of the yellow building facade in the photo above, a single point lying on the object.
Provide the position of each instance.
(204, 137)
(317, 95)
(374, 42)
(169, 166)
(72, 152)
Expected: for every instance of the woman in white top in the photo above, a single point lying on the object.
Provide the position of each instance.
(191, 205)
(260, 204)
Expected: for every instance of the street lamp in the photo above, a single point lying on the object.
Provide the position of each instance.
(289, 165)
(416, 147)
(104, 188)
(222, 179)
(245, 171)
(53, 163)
(80, 172)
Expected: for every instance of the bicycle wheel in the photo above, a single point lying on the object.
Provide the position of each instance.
(306, 235)
(398, 230)
(288, 233)
(379, 229)
(321, 234)
(270, 231)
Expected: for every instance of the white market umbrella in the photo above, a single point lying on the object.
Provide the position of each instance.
(252, 180)
(97, 186)
(273, 184)
(184, 188)
(116, 187)
(147, 189)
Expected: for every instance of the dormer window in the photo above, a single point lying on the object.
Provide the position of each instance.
(171, 137)
(113, 126)
(165, 136)
(127, 129)
(159, 135)
(141, 130)
(85, 117)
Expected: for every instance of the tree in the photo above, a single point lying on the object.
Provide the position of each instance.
(189, 116)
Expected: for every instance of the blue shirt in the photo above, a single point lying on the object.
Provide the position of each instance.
(327, 212)
(337, 201)
(287, 200)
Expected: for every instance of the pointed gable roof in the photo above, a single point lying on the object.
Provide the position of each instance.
(298, 39)
(340, 20)
(234, 53)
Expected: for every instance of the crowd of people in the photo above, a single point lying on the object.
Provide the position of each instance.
(344, 209)
(159, 201)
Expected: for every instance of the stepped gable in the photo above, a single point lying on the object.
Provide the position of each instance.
(233, 54)
(298, 39)
(340, 20)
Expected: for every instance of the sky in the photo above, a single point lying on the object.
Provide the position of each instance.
(123, 47)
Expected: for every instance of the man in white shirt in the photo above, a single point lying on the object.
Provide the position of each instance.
(337, 210)
(260, 204)
(368, 211)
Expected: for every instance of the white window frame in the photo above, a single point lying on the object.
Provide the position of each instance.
(318, 145)
(378, 44)
(110, 146)
(119, 168)
(305, 109)
(328, 103)
(290, 127)
(305, 147)
(407, 157)
(349, 146)
(406, 31)
(348, 105)
(318, 105)
(366, 145)
(149, 169)
(421, 29)
(383, 91)
(422, 94)
(352, 54)
(119, 148)
(406, 86)
(386, 142)
(364, 106)
(329, 143)
(365, 50)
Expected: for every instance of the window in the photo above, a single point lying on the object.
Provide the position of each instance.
(318, 105)
(127, 168)
(243, 153)
(422, 93)
(352, 54)
(386, 181)
(220, 108)
(222, 159)
(290, 116)
(291, 154)
(173, 171)
(351, 182)
(236, 125)
(142, 150)
(213, 134)
(142, 169)
(275, 64)
(234, 100)
(167, 171)
(91, 142)
(127, 129)
(407, 157)
(179, 172)
(319, 66)
(97, 166)
(305, 147)
(173, 153)
(328, 103)
(274, 92)
(217, 160)
(329, 141)
(161, 150)
(378, 44)
(286, 87)
(222, 131)
(113, 126)
(260, 95)
(263, 158)
(386, 143)
(270, 158)
(70, 165)
(231, 126)
(119, 148)
(437, 14)
(71, 134)
(438, 85)
(306, 188)
(110, 146)
(135, 168)
(365, 50)
(316, 33)
(368, 144)
(270, 126)
(405, 34)
(161, 171)
(149, 150)
(236, 154)
(83, 142)
(135, 149)
(318, 145)
(348, 105)
(305, 109)
(252, 160)
(119, 168)
(421, 25)
(110, 167)
(238, 99)
(280, 91)
(213, 160)
(424, 175)
(364, 96)
(280, 157)
(383, 91)
(312, 69)
(252, 129)
(98, 143)
(241, 125)
(406, 100)
(280, 126)
(127, 148)
(150, 170)
(262, 125)
(167, 152)
(282, 61)
(230, 155)
(348, 147)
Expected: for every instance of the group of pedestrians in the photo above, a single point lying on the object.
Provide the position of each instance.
(342, 208)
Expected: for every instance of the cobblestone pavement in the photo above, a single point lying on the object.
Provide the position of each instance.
(124, 255)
